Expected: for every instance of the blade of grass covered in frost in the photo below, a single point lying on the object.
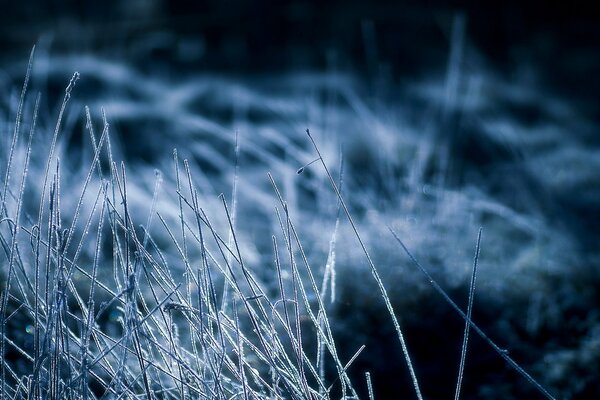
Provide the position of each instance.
(14, 225)
(497, 349)
(184, 247)
(117, 381)
(369, 385)
(189, 275)
(90, 127)
(253, 285)
(14, 345)
(295, 303)
(13, 145)
(240, 351)
(330, 274)
(57, 127)
(234, 206)
(17, 218)
(374, 272)
(63, 361)
(348, 364)
(49, 304)
(325, 334)
(284, 300)
(57, 303)
(116, 223)
(463, 352)
(88, 314)
(64, 103)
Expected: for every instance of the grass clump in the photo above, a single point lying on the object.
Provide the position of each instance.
(122, 281)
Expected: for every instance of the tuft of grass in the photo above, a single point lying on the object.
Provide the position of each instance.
(228, 276)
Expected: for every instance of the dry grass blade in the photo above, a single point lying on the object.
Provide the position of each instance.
(463, 352)
(497, 349)
(374, 272)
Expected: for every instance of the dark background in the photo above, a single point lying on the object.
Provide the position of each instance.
(403, 38)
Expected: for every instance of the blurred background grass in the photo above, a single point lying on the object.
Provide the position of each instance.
(242, 36)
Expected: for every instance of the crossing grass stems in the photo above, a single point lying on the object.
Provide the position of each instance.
(215, 331)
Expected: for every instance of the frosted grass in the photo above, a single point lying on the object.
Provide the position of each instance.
(220, 270)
